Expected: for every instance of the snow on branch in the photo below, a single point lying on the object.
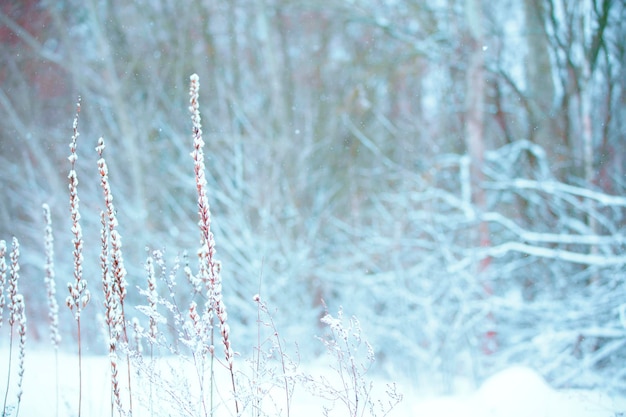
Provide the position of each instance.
(554, 187)
(541, 252)
(562, 238)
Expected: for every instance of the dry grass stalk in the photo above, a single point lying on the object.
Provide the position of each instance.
(79, 294)
(16, 315)
(209, 267)
(117, 260)
(3, 277)
(353, 357)
(13, 281)
(21, 320)
(53, 306)
(287, 377)
(110, 301)
(3, 274)
(115, 385)
(118, 283)
(111, 311)
(153, 298)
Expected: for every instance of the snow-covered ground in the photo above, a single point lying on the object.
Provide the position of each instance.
(521, 392)
(514, 392)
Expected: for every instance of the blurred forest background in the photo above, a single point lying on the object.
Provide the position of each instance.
(451, 172)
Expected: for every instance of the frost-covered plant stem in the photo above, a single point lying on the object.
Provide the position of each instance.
(198, 353)
(288, 385)
(153, 298)
(16, 303)
(353, 356)
(209, 267)
(21, 319)
(79, 294)
(111, 308)
(118, 283)
(3, 277)
(53, 306)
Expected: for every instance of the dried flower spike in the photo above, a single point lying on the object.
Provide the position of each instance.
(53, 307)
(79, 295)
(3, 276)
(209, 271)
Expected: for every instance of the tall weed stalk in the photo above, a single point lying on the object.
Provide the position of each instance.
(210, 268)
(79, 294)
(53, 306)
(116, 288)
(17, 315)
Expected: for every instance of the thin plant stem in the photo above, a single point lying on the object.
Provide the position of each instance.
(6, 393)
(14, 307)
(56, 367)
(152, 296)
(79, 294)
(262, 307)
(209, 266)
(117, 265)
(80, 370)
(3, 270)
(53, 307)
(21, 318)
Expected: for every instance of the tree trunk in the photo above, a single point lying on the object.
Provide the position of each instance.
(539, 80)
(474, 137)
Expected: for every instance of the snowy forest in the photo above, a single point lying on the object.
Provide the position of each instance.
(452, 173)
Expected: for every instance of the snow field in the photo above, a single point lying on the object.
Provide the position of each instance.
(514, 392)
